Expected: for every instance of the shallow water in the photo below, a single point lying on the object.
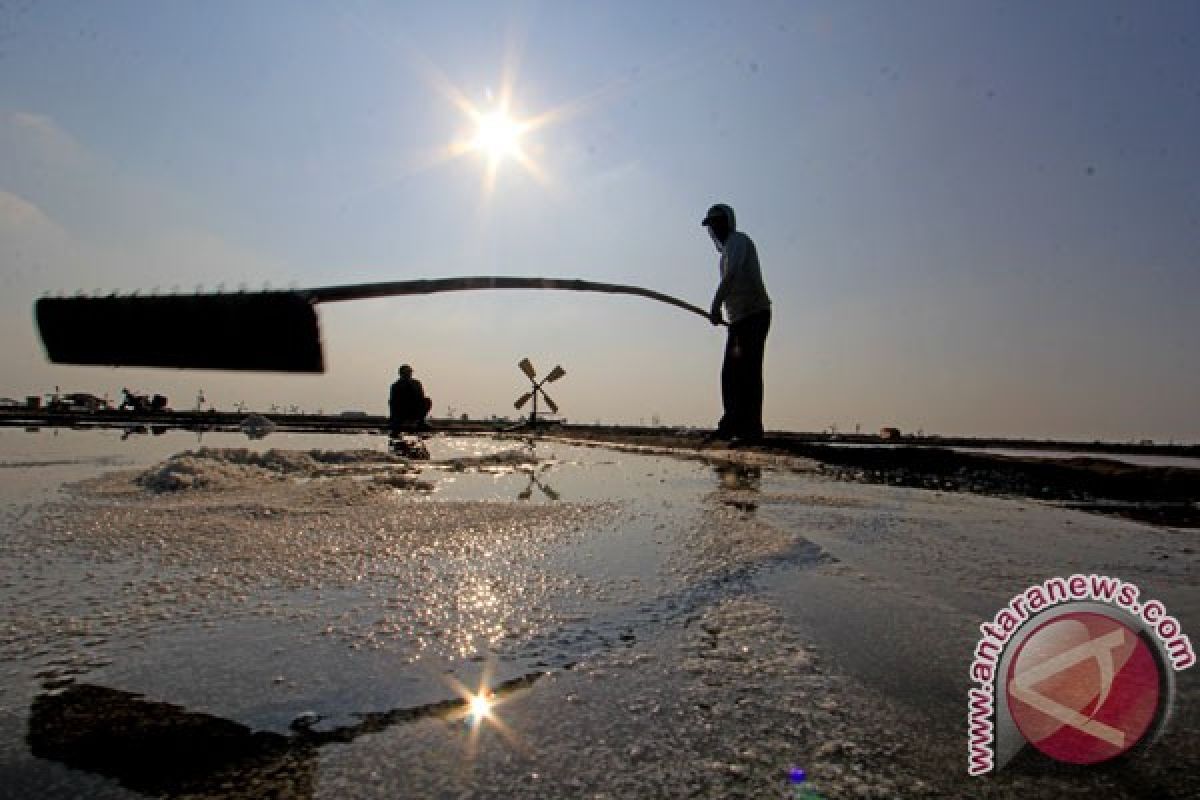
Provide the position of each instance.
(273, 606)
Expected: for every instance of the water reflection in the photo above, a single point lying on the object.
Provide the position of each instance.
(535, 481)
(160, 749)
(738, 484)
(142, 430)
(256, 426)
(163, 750)
(411, 447)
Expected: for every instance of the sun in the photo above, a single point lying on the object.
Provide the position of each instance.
(498, 136)
(495, 132)
(497, 128)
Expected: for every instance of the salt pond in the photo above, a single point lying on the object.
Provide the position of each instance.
(295, 624)
(316, 597)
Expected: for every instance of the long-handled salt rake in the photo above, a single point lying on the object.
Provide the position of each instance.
(272, 331)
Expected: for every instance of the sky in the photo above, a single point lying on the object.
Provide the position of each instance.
(973, 218)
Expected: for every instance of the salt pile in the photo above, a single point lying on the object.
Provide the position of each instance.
(230, 468)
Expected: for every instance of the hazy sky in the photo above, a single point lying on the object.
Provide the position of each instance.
(978, 218)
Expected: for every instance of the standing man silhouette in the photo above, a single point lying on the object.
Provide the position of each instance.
(744, 296)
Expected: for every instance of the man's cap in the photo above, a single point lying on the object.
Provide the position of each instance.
(719, 210)
(405, 368)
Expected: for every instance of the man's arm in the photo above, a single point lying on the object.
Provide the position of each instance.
(731, 262)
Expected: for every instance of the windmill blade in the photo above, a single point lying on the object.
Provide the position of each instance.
(551, 403)
(527, 368)
(555, 374)
(522, 400)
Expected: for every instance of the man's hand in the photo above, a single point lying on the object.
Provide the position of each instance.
(714, 316)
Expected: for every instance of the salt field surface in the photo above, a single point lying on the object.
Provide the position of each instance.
(298, 616)
(324, 592)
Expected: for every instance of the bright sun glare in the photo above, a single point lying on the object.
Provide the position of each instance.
(496, 133)
(481, 706)
(498, 136)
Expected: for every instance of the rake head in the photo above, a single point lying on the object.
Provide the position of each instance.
(260, 331)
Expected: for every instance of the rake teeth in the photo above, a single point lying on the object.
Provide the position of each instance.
(256, 331)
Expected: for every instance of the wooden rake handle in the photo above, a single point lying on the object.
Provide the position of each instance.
(270, 331)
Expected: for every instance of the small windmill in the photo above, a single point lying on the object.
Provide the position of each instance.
(531, 373)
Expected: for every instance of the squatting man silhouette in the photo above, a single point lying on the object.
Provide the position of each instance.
(744, 297)
(407, 403)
